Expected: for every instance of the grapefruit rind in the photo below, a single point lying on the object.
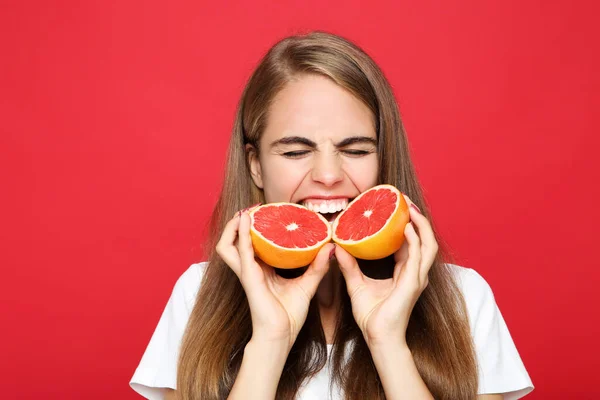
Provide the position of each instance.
(385, 241)
(284, 257)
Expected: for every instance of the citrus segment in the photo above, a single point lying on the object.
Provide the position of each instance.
(287, 235)
(372, 226)
(289, 226)
(367, 216)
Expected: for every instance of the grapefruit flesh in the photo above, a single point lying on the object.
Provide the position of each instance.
(287, 235)
(372, 226)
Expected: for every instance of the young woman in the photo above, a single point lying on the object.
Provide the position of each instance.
(318, 124)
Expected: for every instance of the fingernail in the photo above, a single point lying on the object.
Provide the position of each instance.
(413, 205)
(332, 253)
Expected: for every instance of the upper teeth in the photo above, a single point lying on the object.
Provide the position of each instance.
(326, 206)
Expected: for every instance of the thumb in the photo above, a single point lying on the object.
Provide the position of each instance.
(349, 267)
(316, 270)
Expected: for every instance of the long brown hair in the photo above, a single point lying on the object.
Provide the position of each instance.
(220, 326)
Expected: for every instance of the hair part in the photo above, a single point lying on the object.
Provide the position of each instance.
(220, 326)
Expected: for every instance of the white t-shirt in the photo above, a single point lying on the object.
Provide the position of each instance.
(500, 367)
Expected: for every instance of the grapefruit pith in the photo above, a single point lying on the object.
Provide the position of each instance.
(287, 235)
(372, 226)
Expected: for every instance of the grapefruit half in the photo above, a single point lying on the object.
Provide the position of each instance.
(287, 235)
(372, 226)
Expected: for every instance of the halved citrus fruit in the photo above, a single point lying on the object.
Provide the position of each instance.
(372, 226)
(287, 235)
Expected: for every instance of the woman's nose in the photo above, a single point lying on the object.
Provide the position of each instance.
(327, 170)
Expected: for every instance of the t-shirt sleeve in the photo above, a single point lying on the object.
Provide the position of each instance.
(157, 369)
(501, 369)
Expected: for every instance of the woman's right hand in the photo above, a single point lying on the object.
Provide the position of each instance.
(278, 306)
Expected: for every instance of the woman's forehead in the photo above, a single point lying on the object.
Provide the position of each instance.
(316, 107)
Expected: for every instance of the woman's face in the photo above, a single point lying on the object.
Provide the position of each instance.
(319, 147)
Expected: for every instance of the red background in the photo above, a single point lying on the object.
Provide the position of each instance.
(114, 122)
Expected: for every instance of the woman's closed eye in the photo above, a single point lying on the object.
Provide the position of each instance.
(347, 152)
(296, 153)
(356, 152)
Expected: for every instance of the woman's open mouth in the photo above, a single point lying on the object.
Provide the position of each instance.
(329, 208)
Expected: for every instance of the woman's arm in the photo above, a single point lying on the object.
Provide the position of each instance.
(260, 372)
(278, 308)
(389, 359)
(382, 307)
(408, 385)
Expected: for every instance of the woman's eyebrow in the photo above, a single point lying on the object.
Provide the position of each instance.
(355, 140)
(307, 142)
(294, 140)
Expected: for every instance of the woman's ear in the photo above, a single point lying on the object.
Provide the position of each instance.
(254, 162)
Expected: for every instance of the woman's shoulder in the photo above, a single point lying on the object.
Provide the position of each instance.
(158, 366)
(500, 367)
(188, 283)
(192, 274)
(479, 297)
(475, 289)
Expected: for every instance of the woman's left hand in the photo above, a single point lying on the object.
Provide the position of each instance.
(382, 308)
